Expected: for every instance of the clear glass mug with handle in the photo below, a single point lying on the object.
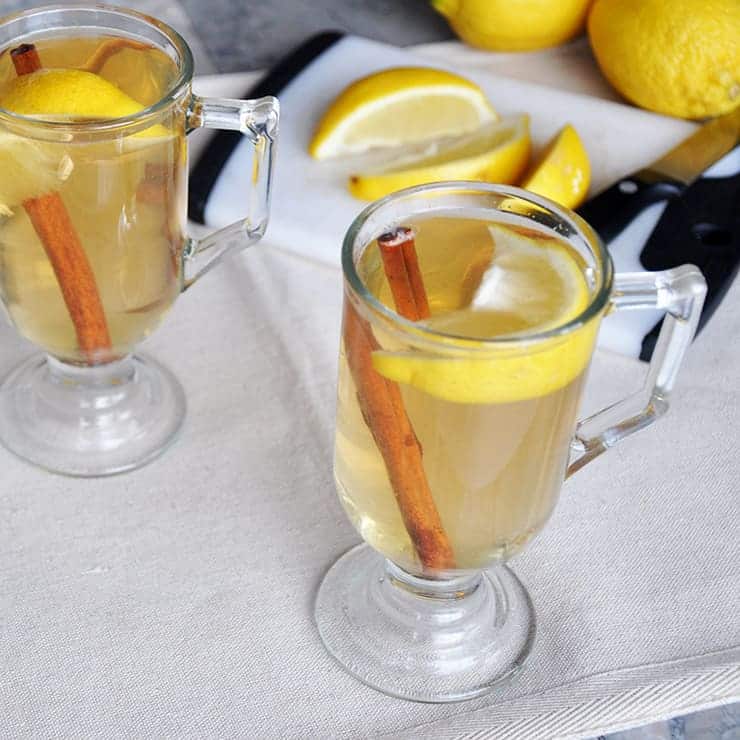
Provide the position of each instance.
(95, 106)
(451, 449)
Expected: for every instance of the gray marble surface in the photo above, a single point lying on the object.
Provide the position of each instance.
(239, 35)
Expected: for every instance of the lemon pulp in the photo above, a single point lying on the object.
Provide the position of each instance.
(402, 105)
(488, 281)
(497, 152)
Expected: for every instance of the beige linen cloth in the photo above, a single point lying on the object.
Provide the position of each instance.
(176, 601)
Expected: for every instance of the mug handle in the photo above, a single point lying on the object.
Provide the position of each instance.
(258, 121)
(680, 292)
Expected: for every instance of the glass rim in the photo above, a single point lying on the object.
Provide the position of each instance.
(174, 92)
(595, 305)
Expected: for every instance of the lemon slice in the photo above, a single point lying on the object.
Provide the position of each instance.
(400, 106)
(532, 276)
(562, 172)
(35, 168)
(497, 152)
(72, 94)
(540, 281)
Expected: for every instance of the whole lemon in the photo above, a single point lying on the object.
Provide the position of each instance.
(679, 57)
(514, 25)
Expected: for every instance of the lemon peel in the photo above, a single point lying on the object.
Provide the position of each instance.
(494, 377)
(498, 152)
(563, 171)
(677, 57)
(525, 25)
(399, 106)
(507, 373)
(72, 94)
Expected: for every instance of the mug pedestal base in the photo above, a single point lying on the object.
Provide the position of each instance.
(431, 641)
(90, 421)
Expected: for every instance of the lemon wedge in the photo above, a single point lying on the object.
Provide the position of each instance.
(498, 152)
(71, 94)
(562, 172)
(536, 281)
(399, 106)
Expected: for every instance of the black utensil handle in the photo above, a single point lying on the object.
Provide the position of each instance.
(204, 174)
(610, 212)
(703, 228)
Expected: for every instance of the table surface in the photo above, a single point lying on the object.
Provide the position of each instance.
(239, 35)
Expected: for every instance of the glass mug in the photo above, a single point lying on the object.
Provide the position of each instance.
(451, 460)
(93, 211)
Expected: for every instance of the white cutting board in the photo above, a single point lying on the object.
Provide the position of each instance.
(311, 207)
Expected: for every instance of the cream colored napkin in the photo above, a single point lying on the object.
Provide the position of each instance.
(176, 601)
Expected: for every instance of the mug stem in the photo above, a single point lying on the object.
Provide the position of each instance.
(443, 589)
(419, 638)
(89, 420)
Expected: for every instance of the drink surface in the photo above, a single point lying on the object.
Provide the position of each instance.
(494, 427)
(124, 191)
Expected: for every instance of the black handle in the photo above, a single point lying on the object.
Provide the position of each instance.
(610, 212)
(702, 227)
(212, 160)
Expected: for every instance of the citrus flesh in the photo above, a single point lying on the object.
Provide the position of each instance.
(533, 284)
(400, 106)
(498, 152)
(562, 172)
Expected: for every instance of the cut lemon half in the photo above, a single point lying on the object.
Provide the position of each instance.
(74, 94)
(562, 172)
(498, 152)
(400, 106)
(538, 278)
(532, 276)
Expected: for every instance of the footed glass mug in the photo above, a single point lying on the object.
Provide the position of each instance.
(95, 105)
(451, 449)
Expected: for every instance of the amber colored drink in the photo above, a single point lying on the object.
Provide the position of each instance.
(495, 442)
(124, 194)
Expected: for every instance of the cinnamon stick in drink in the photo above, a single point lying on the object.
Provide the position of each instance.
(57, 234)
(25, 59)
(108, 49)
(401, 265)
(383, 409)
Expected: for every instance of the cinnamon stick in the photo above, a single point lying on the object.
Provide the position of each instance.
(401, 265)
(109, 48)
(25, 59)
(383, 409)
(54, 227)
(154, 190)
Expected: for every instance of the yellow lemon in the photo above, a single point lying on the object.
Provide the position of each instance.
(498, 152)
(514, 25)
(678, 57)
(562, 172)
(399, 106)
(71, 93)
(537, 278)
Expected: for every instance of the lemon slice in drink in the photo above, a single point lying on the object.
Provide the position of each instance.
(532, 281)
(498, 152)
(72, 94)
(399, 106)
(562, 172)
